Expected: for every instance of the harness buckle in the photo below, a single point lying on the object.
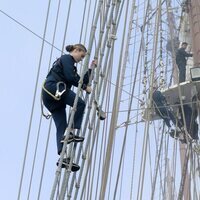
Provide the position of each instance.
(58, 92)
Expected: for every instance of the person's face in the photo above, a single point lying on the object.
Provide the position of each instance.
(184, 46)
(79, 55)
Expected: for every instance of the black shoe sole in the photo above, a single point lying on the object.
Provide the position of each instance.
(78, 139)
(74, 168)
(73, 139)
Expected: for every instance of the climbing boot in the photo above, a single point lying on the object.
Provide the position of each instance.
(72, 138)
(65, 164)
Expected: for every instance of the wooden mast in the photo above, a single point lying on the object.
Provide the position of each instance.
(194, 19)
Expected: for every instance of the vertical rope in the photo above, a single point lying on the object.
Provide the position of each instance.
(92, 34)
(48, 135)
(44, 162)
(33, 103)
(112, 127)
(137, 118)
(157, 165)
(94, 87)
(66, 25)
(87, 115)
(143, 161)
(132, 92)
(34, 158)
(184, 172)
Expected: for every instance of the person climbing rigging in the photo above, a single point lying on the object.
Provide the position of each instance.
(163, 110)
(181, 61)
(57, 93)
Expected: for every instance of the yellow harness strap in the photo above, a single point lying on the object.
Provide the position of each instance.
(49, 93)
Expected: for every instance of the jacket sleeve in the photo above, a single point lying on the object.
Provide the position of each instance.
(69, 71)
(162, 98)
(86, 77)
(184, 53)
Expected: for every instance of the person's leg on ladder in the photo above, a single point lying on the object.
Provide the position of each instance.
(59, 117)
(78, 117)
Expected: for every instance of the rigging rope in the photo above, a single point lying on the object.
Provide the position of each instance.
(34, 159)
(157, 165)
(87, 118)
(184, 172)
(25, 27)
(132, 90)
(51, 53)
(161, 83)
(98, 128)
(166, 161)
(113, 5)
(112, 130)
(103, 151)
(48, 136)
(143, 160)
(137, 114)
(92, 34)
(100, 88)
(71, 152)
(33, 103)
(92, 96)
(66, 26)
(83, 20)
(106, 73)
(42, 173)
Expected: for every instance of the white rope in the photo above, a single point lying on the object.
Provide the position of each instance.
(50, 124)
(112, 130)
(94, 113)
(133, 88)
(92, 34)
(72, 148)
(136, 128)
(34, 158)
(88, 191)
(33, 103)
(92, 98)
(66, 25)
(143, 160)
(184, 174)
(28, 29)
(104, 129)
(157, 165)
(87, 118)
(165, 165)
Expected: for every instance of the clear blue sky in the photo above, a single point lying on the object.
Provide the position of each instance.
(20, 53)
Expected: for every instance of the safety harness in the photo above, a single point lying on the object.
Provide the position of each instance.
(58, 94)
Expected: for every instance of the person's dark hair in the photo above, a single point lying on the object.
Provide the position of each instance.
(80, 47)
(184, 43)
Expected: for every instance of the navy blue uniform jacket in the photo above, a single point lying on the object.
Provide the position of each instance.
(181, 56)
(158, 98)
(64, 70)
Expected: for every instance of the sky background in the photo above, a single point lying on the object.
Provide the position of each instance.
(20, 55)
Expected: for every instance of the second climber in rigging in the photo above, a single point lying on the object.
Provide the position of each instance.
(181, 61)
(164, 110)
